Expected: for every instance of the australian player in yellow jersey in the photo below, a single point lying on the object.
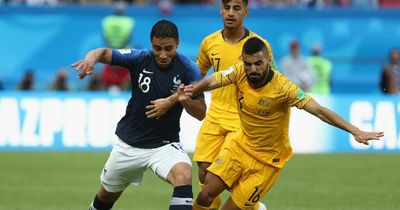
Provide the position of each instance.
(220, 50)
(250, 165)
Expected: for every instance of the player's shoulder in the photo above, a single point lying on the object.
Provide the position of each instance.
(137, 52)
(281, 82)
(144, 52)
(237, 69)
(279, 77)
(213, 36)
(186, 61)
(254, 34)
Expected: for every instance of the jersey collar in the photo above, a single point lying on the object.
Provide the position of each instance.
(246, 34)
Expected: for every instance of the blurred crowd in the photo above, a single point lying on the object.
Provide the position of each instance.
(252, 3)
(310, 72)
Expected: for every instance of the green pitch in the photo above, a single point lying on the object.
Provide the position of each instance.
(69, 180)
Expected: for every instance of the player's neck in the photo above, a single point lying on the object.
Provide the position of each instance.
(233, 35)
(264, 81)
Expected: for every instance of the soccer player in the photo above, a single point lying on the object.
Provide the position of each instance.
(143, 142)
(250, 165)
(220, 50)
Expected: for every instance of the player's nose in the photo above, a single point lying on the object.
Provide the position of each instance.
(163, 55)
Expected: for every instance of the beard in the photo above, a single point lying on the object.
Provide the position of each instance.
(254, 78)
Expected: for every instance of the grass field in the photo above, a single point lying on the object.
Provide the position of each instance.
(68, 181)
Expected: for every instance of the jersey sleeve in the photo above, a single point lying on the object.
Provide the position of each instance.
(193, 70)
(193, 73)
(127, 57)
(294, 96)
(229, 75)
(202, 58)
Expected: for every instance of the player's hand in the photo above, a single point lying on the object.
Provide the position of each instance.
(157, 108)
(85, 67)
(182, 97)
(363, 137)
(188, 90)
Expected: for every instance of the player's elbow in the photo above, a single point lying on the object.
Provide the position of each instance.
(201, 116)
(202, 113)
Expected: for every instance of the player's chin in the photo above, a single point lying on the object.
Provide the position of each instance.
(254, 80)
(230, 23)
(163, 64)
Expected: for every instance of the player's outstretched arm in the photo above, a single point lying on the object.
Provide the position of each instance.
(332, 118)
(159, 107)
(86, 65)
(208, 83)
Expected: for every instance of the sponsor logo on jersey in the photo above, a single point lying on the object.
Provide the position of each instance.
(263, 112)
(147, 72)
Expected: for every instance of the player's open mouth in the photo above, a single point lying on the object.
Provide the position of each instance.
(163, 63)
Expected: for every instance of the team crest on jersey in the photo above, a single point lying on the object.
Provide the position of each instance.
(124, 51)
(263, 102)
(177, 81)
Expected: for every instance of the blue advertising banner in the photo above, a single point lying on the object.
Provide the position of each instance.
(87, 121)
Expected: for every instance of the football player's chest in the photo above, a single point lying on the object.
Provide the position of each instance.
(152, 80)
(223, 56)
(259, 102)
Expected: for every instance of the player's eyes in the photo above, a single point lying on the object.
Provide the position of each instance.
(156, 48)
(168, 49)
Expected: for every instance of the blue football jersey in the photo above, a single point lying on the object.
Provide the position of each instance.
(149, 82)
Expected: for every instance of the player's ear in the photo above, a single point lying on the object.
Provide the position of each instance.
(177, 43)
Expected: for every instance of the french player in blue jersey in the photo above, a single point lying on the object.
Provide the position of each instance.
(145, 141)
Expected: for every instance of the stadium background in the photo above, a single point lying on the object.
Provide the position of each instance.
(74, 130)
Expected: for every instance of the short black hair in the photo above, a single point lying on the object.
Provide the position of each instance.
(164, 29)
(246, 2)
(254, 45)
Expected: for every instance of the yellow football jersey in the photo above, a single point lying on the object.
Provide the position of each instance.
(264, 113)
(216, 53)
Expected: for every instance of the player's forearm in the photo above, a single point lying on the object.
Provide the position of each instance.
(208, 83)
(196, 108)
(99, 55)
(173, 99)
(332, 118)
